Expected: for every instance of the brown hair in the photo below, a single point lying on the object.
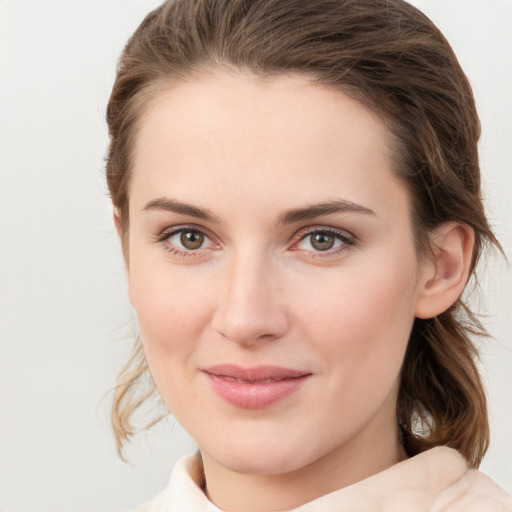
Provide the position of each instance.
(390, 57)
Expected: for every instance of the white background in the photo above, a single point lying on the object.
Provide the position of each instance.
(65, 322)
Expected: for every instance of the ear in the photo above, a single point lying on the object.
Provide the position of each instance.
(443, 279)
(117, 220)
(123, 238)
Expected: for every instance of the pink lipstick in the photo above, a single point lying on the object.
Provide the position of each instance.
(256, 387)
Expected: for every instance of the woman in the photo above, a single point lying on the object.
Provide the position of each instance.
(297, 192)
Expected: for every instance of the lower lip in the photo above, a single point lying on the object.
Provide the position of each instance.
(255, 395)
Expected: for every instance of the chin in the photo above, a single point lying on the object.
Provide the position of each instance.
(261, 458)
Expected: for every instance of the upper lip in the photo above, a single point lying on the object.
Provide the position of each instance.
(266, 373)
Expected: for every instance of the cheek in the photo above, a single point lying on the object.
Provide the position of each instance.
(172, 310)
(363, 319)
(363, 335)
(166, 297)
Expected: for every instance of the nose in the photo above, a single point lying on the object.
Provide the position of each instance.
(251, 306)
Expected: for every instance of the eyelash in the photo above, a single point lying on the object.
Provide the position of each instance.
(347, 240)
(163, 239)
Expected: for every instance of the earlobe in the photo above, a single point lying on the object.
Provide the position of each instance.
(443, 281)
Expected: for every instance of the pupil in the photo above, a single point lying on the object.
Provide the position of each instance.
(322, 241)
(192, 239)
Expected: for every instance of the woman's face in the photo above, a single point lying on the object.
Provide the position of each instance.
(273, 270)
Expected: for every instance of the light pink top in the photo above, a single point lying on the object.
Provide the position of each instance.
(437, 480)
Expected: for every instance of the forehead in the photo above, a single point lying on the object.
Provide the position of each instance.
(237, 136)
(238, 105)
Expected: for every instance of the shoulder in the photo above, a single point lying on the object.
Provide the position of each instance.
(474, 492)
(457, 489)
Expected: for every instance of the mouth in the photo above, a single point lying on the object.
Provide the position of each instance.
(256, 387)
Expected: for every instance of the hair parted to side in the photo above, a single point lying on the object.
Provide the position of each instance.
(390, 57)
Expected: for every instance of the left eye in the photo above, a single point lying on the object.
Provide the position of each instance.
(321, 241)
(189, 239)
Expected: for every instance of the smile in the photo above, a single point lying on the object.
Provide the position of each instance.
(256, 387)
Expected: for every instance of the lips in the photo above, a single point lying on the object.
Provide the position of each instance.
(255, 387)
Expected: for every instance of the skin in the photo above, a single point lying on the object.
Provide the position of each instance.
(248, 152)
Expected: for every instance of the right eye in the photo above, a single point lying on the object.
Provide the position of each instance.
(185, 241)
(188, 239)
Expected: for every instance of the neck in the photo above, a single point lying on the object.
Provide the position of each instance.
(348, 464)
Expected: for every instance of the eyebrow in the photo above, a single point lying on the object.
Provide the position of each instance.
(288, 217)
(318, 210)
(171, 205)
